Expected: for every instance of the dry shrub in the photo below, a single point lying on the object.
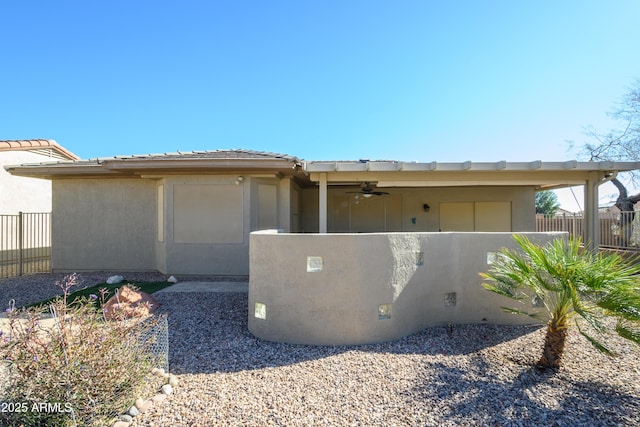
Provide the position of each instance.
(79, 369)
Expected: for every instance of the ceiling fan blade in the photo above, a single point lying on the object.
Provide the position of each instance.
(367, 189)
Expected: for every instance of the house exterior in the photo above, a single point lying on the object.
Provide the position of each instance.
(192, 213)
(25, 194)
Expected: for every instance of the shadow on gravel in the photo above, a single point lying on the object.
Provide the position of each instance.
(208, 339)
(533, 397)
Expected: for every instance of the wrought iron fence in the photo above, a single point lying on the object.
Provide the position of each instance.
(25, 243)
(617, 230)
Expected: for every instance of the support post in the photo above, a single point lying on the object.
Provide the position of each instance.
(322, 211)
(284, 205)
(591, 216)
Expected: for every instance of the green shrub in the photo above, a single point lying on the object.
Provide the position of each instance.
(560, 282)
(78, 369)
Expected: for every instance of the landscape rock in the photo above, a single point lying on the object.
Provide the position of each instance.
(145, 406)
(122, 424)
(159, 398)
(133, 411)
(173, 380)
(172, 279)
(167, 389)
(126, 418)
(129, 303)
(138, 403)
(114, 280)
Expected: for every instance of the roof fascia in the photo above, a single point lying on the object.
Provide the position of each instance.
(468, 166)
(123, 168)
(48, 171)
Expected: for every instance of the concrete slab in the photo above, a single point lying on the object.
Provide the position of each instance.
(207, 287)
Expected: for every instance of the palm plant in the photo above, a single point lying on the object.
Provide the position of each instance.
(559, 282)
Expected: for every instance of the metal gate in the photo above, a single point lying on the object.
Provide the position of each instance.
(25, 243)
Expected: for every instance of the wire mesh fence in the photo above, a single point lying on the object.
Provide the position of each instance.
(156, 339)
(25, 243)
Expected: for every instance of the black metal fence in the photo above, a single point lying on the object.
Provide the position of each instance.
(25, 243)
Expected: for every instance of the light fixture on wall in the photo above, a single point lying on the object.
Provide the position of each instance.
(425, 207)
(239, 180)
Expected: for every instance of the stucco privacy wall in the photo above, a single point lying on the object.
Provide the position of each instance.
(104, 224)
(335, 289)
(407, 203)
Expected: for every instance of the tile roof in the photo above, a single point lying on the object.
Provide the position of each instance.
(206, 154)
(178, 162)
(47, 147)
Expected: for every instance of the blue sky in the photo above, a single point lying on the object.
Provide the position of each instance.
(402, 80)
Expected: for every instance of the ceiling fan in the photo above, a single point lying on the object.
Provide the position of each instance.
(367, 191)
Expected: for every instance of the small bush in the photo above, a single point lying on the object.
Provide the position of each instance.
(79, 369)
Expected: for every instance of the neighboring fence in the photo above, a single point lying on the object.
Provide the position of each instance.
(620, 230)
(25, 243)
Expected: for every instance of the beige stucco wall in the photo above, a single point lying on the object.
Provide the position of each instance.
(200, 224)
(411, 214)
(104, 224)
(415, 274)
(207, 220)
(22, 194)
(217, 206)
(195, 224)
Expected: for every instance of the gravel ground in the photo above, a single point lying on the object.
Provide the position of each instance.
(477, 375)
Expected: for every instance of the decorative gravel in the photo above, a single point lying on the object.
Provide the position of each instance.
(475, 375)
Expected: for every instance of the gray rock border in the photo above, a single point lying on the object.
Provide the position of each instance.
(141, 405)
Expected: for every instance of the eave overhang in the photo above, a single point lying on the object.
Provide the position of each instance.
(542, 175)
(119, 168)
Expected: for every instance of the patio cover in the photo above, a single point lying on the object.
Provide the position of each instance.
(542, 175)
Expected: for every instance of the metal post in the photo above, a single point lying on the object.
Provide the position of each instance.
(20, 245)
